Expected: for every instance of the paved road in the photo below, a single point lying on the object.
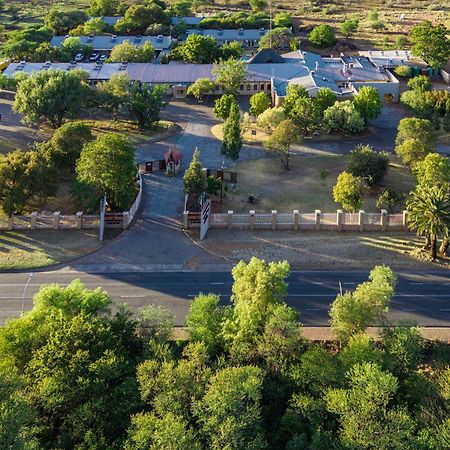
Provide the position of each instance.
(423, 297)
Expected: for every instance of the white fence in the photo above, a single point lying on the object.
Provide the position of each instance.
(317, 221)
(78, 221)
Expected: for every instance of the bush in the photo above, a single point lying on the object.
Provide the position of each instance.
(322, 36)
(366, 163)
(271, 118)
(420, 83)
(402, 71)
(343, 116)
(390, 200)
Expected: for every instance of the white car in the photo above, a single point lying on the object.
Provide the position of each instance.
(103, 58)
(94, 57)
(79, 57)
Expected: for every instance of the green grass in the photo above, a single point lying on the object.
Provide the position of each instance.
(40, 248)
(307, 186)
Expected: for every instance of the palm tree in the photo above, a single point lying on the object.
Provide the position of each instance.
(429, 213)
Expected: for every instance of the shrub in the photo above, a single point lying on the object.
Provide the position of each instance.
(366, 163)
(402, 71)
(322, 36)
(271, 118)
(420, 83)
(389, 199)
(343, 116)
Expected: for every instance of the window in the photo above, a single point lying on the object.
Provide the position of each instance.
(269, 87)
(255, 87)
(241, 87)
(262, 87)
(249, 87)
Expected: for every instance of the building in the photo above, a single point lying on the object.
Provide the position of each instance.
(390, 59)
(105, 43)
(248, 38)
(191, 21)
(111, 20)
(445, 73)
(266, 72)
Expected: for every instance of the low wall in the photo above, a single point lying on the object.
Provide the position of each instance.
(317, 221)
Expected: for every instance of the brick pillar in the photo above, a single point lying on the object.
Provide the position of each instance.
(317, 213)
(361, 220)
(56, 217)
(252, 219)
(186, 220)
(11, 222)
(295, 213)
(33, 220)
(339, 219)
(383, 220)
(274, 219)
(79, 219)
(405, 221)
(230, 219)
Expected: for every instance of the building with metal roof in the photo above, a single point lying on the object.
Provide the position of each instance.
(191, 21)
(111, 20)
(105, 43)
(249, 38)
(390, 59)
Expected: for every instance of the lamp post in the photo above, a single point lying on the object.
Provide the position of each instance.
(30, 276)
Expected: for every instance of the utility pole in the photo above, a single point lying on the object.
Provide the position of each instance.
(270, 23)
(102, 217)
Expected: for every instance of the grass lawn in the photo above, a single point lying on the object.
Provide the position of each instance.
(40, 248)
(247, 137)
(307, 186)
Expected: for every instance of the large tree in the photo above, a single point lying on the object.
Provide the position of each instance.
(322, 36)
(347, 191)
(283, 137)
(114, 93)
(146, 103)
(232, 139)
(197, 49)
(107, 165)
(222, 106)
(139, 16)
(102, 7)
(200, 87)
(431, 43)
(230, 74)
(259, 103)
(62, 21)
(277, 38)
(434, 169)
(366, 163)
(367, 101)
(343, 116)
(51, 94)
(194, 180)
(127, 52)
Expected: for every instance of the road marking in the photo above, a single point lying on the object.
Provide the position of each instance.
(136, 296)
(312, 309)
(416, 284)
(219, 283)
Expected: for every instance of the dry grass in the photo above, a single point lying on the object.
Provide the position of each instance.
(307, 186)
(247, 136)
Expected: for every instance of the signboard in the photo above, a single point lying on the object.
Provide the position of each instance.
(204, 218)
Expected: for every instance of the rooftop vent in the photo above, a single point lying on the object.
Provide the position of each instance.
(159, 38)
(137, 39)
(123, 66)
(113, 38)
(241, 31)
(220, 32)
(262, 31)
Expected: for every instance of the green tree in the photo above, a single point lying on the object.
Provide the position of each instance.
(343, 116)
(429, 213)
(50, 94)
(420, 83)
(284, 136)
(293, 93)
(349, 27)
(230, 411)
(197, 49)
(62, 21)
(367, 101)
(373, 15)
(364, 162)
(99, 8)
(21, 44)
(325, 98)
(154, 323)
(434, 169)
(229, 74)
(127, 52)
(107, 166)
(259, 103)
(271, 118)
(114, 94)
(94, 26)
(389, 199)
(305, 114)
(353, 312)
(257, 5)
(415, 139)
(222, 106)
(200, 87)
(181, 8)
(431, 43)
(282, 20)
(232, 49)
(277, 38)
(139, 16)
(347, 191)
(71, 46)
(146, 103)
(194, 178)
(232, 139)
(322, 36)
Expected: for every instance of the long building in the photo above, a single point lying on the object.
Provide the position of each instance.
(249, 38)
(265, 72)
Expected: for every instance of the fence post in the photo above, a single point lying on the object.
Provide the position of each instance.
(186, 220)
(252, 219)
(339, 219)
(383, 220)
(317, 213)
(79, 219)
(56, 217)
(11, 222)
(361, 219)
(405, 221)
(230, 219)
(33, 220)
(296, 213)
(125, 219)
(274, 219)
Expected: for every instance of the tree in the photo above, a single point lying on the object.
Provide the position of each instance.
(194, 177)
(257, 5)
(232, 139)
(352, 312)
(71, 46)
(21, 44)
(284, 135)
(127, 52)
(347, 192)
(271, 118)
(434, 169)
(181, 8)
(389, 200)
(94, 26)
(52, 94)
(61, 22)
(322, 36)
(325, 98)
(367, 101)
(24, 175)
(139, 16)
(349, 27)
(230, 411)
(107, 166)
(222, 106)
(154, 323)
(378, 25)
(415, 139)
(420, 83)
(293, 93)
(200, 87)
(373, 15)
(259, 103)
(282, 20)
(429, 213)
(98, 8)
(419, 101)
(232, 49)
(364, 162)
(306, 114)
(146, 103)
(277, 38)
(343, 116)
(430, 42)
(229, 74)
(114, 93)
(197, 49)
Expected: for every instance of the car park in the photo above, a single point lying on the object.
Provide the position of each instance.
(103, 58)
(79, 57)
(94, 57)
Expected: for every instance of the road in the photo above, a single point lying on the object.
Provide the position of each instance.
(423, 296)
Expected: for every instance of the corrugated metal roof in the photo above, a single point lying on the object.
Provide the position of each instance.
(111, 20)
(231, 35)
(188, 20)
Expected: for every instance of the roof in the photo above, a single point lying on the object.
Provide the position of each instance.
(108, 42)
(111, 20)
(173, 154)
(240, 34)
(266, 56)
(392, 58)
(188, 20)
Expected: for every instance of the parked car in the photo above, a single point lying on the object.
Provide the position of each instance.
(103, 58)
(94, 57)
(79, 57)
